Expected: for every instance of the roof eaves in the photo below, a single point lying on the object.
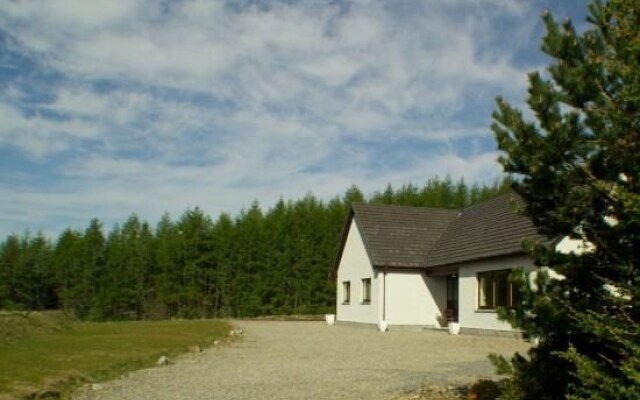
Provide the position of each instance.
(407, 265)
(440, 264)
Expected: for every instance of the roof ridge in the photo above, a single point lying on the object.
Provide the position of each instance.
(510, 192)
(405, 207)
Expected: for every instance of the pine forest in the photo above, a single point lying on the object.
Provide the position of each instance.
(278, 261)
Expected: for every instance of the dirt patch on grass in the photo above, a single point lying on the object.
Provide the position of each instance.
(18, 325)
(435, 392)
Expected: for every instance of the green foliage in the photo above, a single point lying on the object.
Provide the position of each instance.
(259, 263)
(484, 389)
(578, 170)
(503, 367)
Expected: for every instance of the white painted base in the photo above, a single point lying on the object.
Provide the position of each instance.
(330, 319)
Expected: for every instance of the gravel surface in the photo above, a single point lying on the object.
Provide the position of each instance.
(310, 360)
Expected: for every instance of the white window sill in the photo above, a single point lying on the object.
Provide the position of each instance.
(486, 310)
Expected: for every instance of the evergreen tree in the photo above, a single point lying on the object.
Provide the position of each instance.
(195, 258)
(461, 196)
(274, 293)
(38, 280)
(408, 195)
(66, 267)
(25, 262)
(579, 173)
(5, 278)
(138, 262)
(114, 298)
(353, 195)
(10, 253)
(249, 261)
(388, 196)
(166, 279)
(223, 240)
(92, 267)
(277, 262)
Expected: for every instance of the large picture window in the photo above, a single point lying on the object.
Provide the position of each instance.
(494, 289)
(346, 292)
(366, 290)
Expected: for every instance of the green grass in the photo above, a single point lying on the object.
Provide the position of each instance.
(91, 352)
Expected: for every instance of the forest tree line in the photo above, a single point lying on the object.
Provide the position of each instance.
(257, 263)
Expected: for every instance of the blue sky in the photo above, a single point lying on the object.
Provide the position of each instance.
(113, 107)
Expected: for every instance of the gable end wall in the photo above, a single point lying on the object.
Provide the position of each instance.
(354, 266)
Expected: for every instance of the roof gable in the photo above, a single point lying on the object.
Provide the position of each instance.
(488, 229)
(397, 236)
(420, 237)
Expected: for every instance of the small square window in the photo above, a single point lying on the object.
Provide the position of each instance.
(366, 290)
(346, 292)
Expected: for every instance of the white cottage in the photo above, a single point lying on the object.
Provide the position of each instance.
(426, 267)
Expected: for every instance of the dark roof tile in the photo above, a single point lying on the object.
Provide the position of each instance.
(420, 237)
(401, 236)
(488, 229)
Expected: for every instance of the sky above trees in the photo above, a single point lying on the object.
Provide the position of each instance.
(114, 107)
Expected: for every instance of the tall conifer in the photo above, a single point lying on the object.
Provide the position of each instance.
(578, 169)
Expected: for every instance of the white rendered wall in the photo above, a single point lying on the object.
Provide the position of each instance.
(469, 315)
(355, 266)
(411, 298)
(575, 246)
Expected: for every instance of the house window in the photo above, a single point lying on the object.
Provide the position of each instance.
(494, 289)
(366, 291)
(346, 292)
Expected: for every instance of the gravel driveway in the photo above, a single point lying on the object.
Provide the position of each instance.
(310, 360)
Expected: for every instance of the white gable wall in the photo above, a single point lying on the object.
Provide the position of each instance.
(355, 266)
(411, 298)
(469, 315)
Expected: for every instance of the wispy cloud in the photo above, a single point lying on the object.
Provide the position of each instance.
(153, 106)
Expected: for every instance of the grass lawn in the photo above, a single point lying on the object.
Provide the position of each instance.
(90, 352)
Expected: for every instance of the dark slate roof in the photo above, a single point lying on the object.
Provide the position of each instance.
(418, 237)
(487, 229)
(400, 236)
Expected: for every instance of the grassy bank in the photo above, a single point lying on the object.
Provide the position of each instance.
(60, 356)
(19, 325)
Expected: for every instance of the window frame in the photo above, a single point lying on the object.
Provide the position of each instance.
(366, 291)
(346, 292)
(495, 295)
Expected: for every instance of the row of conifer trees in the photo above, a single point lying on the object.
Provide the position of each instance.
(256, 263)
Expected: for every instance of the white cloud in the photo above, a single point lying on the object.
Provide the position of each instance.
(159, 105)
(38, 134)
